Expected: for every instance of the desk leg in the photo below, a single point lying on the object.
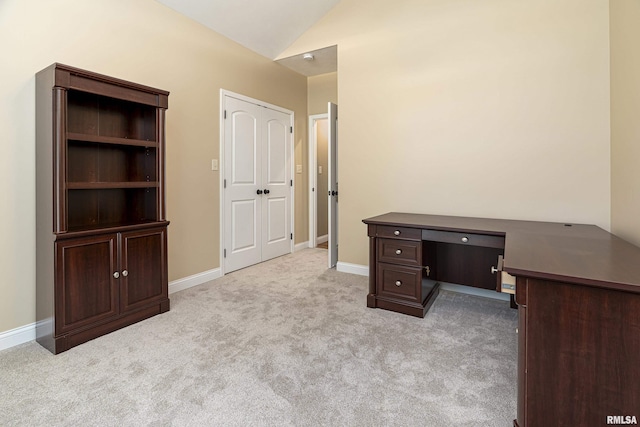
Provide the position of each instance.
(371, 298)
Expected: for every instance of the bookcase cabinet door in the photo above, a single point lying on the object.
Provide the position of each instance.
(144, 268)
(87, 291)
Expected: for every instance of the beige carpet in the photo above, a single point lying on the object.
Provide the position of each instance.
(284, 343)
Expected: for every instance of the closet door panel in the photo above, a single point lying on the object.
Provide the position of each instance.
(243, 189)
(276, 176)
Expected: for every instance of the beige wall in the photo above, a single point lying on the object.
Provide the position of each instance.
(492, 109)
(145, 42)
(320, 90)
(625, 119)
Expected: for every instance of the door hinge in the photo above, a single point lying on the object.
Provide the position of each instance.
(225, 253)
(225, 114)
(291, 183)
(291, 236)
(225, 184)
(290, 129)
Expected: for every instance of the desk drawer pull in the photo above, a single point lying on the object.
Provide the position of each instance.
(398, 251)
(396, 233)
(465, 239)
(398, 283)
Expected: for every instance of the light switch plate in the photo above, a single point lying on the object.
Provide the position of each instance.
(320, 169)
(298, 168)
(214, 164)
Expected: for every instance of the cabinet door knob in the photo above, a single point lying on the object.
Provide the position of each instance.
(396, 233)
(259, 192)
(465, 239)
(266, 191)
(116, 275)
(398, 251)
(125, 273)
(398, 283)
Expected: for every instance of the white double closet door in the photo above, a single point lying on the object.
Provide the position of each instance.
(257, 189)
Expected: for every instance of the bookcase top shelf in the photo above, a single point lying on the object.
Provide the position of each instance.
(86, 81)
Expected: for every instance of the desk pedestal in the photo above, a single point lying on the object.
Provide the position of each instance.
(406, 265)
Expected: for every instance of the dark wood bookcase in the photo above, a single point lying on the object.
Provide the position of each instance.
(101, 231)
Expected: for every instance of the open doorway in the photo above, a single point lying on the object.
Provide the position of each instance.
(318, 169)
(323, 178)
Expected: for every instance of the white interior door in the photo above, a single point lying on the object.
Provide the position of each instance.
(276, 180)
(333, 184)
(243, 175)
(257, 183)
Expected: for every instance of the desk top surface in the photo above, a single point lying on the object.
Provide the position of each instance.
(574, 253)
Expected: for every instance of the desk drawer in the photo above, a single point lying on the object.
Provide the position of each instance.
(398, 251)
(398, 232)
(399, 281)
(469, 239)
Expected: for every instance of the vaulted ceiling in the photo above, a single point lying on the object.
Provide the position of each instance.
(267, 27)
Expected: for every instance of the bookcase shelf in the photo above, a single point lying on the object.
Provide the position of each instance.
(110, 140)
(105, 116)
(108, 185)
(94, 162)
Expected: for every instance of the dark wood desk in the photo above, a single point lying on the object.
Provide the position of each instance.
(578, 296)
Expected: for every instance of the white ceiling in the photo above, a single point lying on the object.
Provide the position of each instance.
(267, 27)
(324, 61)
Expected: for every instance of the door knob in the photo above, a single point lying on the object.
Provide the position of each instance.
(266, 191)
(494, 270)
(334, 193)
(116, 275)
(259, 192)
(125, 273)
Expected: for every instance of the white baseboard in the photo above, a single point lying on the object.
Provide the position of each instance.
(301, 246)
(17, 336)
(194, 280)
(345, 267)
(322, 239)
(27, 333)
